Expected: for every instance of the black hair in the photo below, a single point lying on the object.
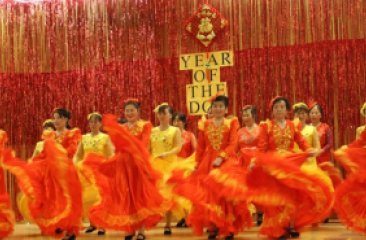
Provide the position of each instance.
(221, 98)
(63, 113)
(300, 108)
(287, 102)
(162, 108)
(134, 103)
(319, 108)
(95, 116)
(181, 117)
(122, 120)
(253, 111)
(49, 124)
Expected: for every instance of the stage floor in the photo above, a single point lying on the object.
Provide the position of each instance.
(329, 231)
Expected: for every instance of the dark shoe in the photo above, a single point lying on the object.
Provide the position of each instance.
(58, 231)
(101, 232)
(90, 229)
(181, 223)
(283, 237)
(213, 234)
(230, 237)
(326, 220)
(167, 231)
(140, 236)
(69, 237)
(293, 233)
(259, 219)
(129, 237)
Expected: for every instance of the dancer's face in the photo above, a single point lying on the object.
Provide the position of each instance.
(218, 109)
(302, 115)
(164, 117)
(60, 122)
(132, 114)
(178, 123)
(247, 117)
(279, 110)
(94, 125)
(315, 115)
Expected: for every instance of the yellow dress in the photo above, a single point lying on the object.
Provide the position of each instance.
(161, 142)
(90, 144)
(22, 203)
(359, 130)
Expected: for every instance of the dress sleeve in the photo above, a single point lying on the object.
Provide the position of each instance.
(146, 133)
(329, 138)
(263, 139)
(230, 149)
(201, 142)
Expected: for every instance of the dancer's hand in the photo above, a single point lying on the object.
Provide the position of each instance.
(251, 164)
(312, 152)
(163, 155)
(217, 162)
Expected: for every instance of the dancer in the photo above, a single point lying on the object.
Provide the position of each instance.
(50, 173)
(165, 144)
(188, 148)
(217, 143)
(324, 132)
(350, 201)
(130, 200)
(93, 142)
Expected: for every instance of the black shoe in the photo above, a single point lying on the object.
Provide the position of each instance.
(213, 234)
(181, 223)
(101, 232)
(69, 237)
(293, 233)
(58, 231)
(167, 231)
(326, 220)
(211, 237)
(259, 219)
(140, 236)
(90, 229)
(129, 237)
(230, 237)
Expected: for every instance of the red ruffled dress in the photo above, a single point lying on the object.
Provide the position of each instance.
(187, 149)
(326, 142)
(280, 188)
(51, 184)
(350, 203)
(204, 186)
(126, 182)
(324, 160)
(248, 142)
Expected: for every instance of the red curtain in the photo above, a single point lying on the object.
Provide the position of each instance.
(331, 72)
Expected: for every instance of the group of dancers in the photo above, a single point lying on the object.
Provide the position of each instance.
(131, 175)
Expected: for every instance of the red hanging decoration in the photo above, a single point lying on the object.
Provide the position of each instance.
(206, 24)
